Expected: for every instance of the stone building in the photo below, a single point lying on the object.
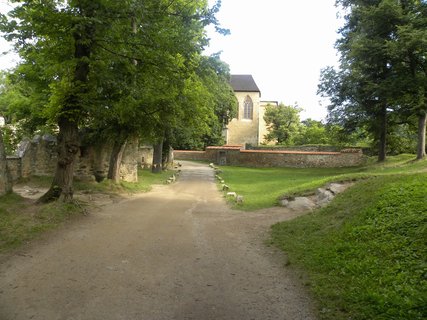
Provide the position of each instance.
(249, 125)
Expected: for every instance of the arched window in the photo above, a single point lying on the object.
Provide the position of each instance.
(248, 108)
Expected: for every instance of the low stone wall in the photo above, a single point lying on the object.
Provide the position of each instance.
(309, 148)
(269, 158)
(190, 155)
(294, 159)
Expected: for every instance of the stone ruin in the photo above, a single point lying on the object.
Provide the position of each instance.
(38, 157)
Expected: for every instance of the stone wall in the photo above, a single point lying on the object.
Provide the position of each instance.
(14, 167)
(38, 157)
(308, 148)
(145, 159)
(268, 158)
(190, 155)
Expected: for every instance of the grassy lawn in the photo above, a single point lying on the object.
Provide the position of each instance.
(261, 187)
(22, 220)
(365, 254)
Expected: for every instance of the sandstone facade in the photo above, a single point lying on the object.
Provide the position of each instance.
(249, 126)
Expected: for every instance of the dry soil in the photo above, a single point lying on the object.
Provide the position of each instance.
(177, 252)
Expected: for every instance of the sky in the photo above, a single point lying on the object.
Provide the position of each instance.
(283, 43)
(7, 59)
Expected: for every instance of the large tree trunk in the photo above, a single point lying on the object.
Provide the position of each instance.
(68, 147)
(382, 134)
(5, 178)
(167, 160)
(421, 143)
(116, 159)
(72, 111)
(157, 157)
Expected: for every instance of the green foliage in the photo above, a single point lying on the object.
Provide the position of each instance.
(365, 254)
(403, 139)
(20, 106)
(312, 132)
(118, 70)
(381, 81)
(283, 123)
(10, 139)
(217, 108)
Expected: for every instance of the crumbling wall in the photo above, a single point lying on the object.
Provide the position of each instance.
(14, 167)
(38, 157)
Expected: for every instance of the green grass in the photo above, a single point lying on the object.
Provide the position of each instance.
(262, 187)
(365, 253)
(22, 220)
(145, 181)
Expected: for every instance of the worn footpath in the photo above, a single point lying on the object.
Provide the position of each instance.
(176, 252)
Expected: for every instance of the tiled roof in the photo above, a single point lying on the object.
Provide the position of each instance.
(243, 83)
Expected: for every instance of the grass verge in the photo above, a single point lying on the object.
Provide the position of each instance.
(21, 220)
(365, 254)
(261, 187)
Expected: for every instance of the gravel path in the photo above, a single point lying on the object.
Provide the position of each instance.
(177, 252)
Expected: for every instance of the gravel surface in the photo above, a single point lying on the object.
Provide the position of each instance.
(176, 252)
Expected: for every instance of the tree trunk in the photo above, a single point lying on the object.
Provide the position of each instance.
(5, 178)
(421, 143)
(68, 147)
(157, 157)
(167, 160)
(70, 114)
(383, 134)
(116, 159)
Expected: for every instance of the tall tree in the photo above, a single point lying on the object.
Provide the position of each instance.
(5, 179)
(382, 72)
(93, 59)
(409, 50)
(283, 123)
(58, 37)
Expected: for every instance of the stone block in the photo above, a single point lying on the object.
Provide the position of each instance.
(231, 195)
(336, 188)
(299, 203)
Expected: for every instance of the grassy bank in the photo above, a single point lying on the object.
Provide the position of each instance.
(365, 254)
(22, 220)
(261, 187)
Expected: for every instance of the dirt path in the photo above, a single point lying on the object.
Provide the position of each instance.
(174, 253)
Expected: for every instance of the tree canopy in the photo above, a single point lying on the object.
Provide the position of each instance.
(283, 123)
(381, 80)
(119, 69)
